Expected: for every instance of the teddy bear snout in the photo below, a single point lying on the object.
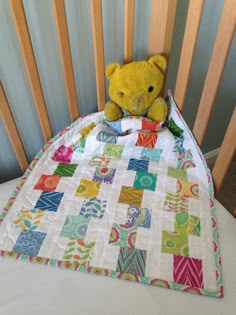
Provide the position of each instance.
(139, 100)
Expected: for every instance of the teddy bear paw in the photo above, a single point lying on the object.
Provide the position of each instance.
(158, 110)
(112, 111)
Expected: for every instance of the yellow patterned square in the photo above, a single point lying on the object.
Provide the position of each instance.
(187, 189)
(88, 189)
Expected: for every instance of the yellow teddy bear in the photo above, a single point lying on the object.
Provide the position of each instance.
(134, 89)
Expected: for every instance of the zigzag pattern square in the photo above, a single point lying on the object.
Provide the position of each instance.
(49, 201)
(132, 261)
(188, 271)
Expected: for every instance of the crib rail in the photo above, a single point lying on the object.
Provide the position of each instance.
(162, 18)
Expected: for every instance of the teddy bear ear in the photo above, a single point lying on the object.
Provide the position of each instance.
(111, 68)
(159, 61)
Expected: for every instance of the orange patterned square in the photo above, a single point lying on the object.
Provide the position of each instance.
(187, 189)
(148, 140)
(131, 196)
(47, 183)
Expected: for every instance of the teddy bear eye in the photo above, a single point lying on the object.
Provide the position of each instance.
(150, 89)
(121, 94)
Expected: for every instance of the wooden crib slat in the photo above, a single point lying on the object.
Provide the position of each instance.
(226, 153)
(129, 31)
(161, 26)
(64, 45)
(23, 35)
(9, 123)
(218, 59)
(98, 47)
(188, 47)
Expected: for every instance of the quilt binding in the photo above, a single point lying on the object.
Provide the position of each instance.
(112, 273)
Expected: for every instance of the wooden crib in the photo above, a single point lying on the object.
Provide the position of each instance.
(162, 19)
(161, 27)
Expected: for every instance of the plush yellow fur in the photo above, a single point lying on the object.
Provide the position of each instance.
(135, 87)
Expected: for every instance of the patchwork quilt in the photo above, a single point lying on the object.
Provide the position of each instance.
(130, 199)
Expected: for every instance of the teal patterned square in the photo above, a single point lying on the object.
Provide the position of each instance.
(146, 181)
(75, 227)
(153, 155)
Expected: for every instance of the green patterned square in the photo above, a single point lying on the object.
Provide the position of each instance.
(174, 128)
(113, 150)
(194, 226)
(175, 243)
(177, 173)
(66, 170)
(145, 180)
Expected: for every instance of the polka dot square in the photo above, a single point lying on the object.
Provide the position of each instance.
(29, 243)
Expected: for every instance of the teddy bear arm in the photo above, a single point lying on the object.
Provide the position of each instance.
(158, 110)
(112, 111)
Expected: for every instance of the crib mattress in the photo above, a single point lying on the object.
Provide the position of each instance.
(131, 200)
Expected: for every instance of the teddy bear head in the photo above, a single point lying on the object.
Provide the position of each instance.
(134, 86)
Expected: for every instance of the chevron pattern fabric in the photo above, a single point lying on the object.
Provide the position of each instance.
(132, 261)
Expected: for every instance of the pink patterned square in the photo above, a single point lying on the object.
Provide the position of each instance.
(188, 271)
(63, 154)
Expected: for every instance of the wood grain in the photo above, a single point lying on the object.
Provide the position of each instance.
(10, 125)
(98, 47)
(27, 52)
(129, 30)
(187, 52)
(218, 59)
(64, 46)
(162, 20)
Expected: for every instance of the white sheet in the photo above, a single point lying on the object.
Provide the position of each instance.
(28, 288)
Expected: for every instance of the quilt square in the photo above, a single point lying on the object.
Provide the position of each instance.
(194, 226)
(123, 235)
(29, 219)
(66, 170)
(185, 160)
(78, 252)
(177, 173)
(175, 203)
(138, 165)
(75, 227)
(187, 189)
(113, 150)
(49, 201)
(99, 160)
(63, 154)
(106, 137)
(147, 140)
(188, 271)
(145, 180)
(175, 243)
(140, 217)
(47, 183)
(153, 155)
(93, 207)
(132, 261)
(131, 196)
(80, 145)
(104, 174)
(88, 189)
(29, 243)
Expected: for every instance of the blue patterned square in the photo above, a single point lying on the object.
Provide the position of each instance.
(49, 201)
(138, 165)
(153, 155)
(75, 227)
(140, 217)
(29, 243)
(93, 207)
